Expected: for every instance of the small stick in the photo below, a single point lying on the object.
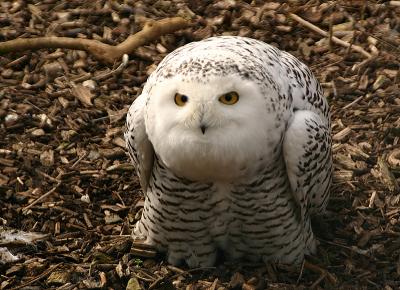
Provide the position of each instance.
(156, 282)
(55, 180)
(120, 198)
(330, 32)
(17, 61)
(326, 34)
(44, 274)
(316, 283)
(301, 272)
(353, 103)
(90, 11)
(351, 44)
(321, 271)
(118, 70)
(163, 279)
(176, 269)
(79, 160)
(362, 64)
(103, 52)
(42, 197)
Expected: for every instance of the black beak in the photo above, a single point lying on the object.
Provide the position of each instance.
(203, 128)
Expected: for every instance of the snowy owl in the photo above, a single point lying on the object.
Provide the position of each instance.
(231, 141)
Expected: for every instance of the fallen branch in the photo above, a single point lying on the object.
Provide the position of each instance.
(326, 34)
(103, 52)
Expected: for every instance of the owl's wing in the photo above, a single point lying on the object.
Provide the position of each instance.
(308, 156)
(139, 147)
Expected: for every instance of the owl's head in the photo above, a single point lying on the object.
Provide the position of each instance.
(210, 131)
(206, 118)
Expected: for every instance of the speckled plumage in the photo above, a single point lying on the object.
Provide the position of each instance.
(250, 183)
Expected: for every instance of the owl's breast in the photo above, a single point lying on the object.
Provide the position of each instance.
(219, 157)
(206, 165)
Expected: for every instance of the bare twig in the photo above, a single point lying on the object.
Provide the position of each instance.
(41, 276)
(318, 281)
(322, 272)
(45, 175)
(42, 197)
(158, 281)
(101, 51)
(301, 272)
(331, 31)
(118, 70)
(17, 61)
(353, 102)
(79, 160)
(326, 34)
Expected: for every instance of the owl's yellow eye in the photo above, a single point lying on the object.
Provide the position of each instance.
(180, 99)
(229, 98)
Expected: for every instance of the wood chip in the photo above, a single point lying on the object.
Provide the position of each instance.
(342, 134)
(386, 175)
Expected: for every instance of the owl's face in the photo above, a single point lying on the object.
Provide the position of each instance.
(210, 131)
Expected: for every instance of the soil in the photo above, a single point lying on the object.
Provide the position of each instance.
(64, 171)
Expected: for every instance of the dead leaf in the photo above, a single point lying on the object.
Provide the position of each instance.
(133, 284)
(83, 94)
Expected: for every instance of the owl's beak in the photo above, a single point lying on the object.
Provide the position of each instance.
(203, 128)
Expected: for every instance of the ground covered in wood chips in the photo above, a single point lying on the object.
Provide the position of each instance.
(64, 172)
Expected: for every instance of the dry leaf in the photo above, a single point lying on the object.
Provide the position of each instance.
(83, 94)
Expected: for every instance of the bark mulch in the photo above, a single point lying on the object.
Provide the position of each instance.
(65, 175)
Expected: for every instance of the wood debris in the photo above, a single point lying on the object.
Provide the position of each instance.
(65, 174)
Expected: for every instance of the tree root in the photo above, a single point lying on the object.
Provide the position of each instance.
(101, 51)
